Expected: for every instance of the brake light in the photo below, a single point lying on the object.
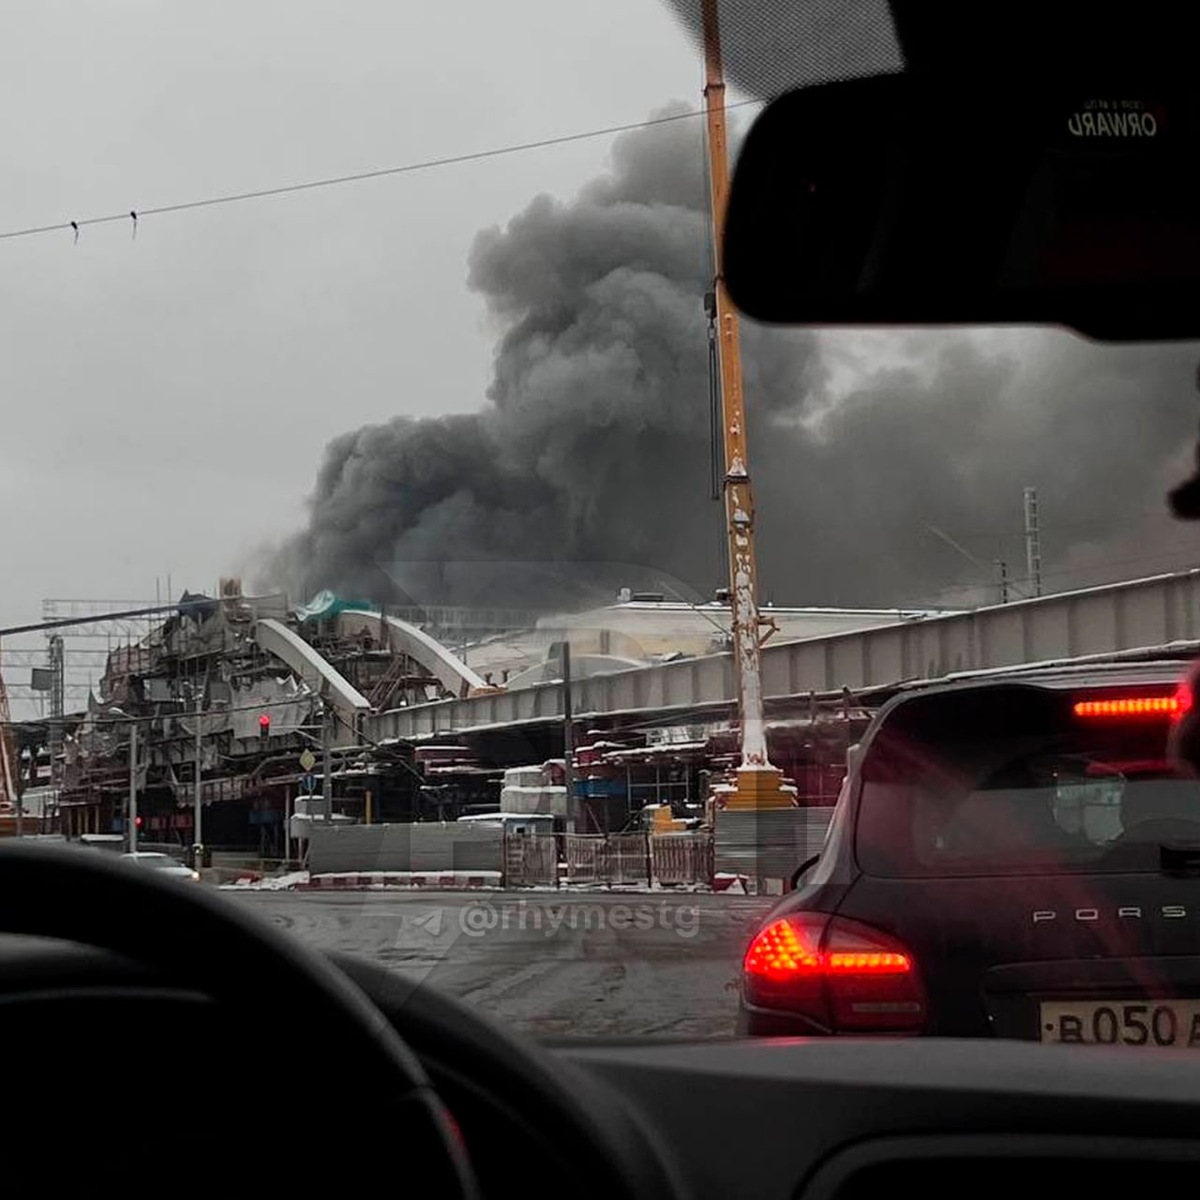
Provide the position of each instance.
(1132, 706)
(884, 962)
(780, 952)
(838, 974)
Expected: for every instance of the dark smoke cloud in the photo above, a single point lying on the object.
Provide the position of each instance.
(587, 467)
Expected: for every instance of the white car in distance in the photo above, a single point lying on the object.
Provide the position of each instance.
(164, 863)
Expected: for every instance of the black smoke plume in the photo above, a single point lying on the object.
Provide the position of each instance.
(588, 465)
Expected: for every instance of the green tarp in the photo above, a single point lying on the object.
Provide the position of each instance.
(325, 605)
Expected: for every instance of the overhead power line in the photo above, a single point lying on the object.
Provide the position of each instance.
(93, 618)
(388, 750)
(1079, 569)
(309, 185)
(126, 719)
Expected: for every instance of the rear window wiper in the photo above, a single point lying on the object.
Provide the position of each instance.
(798, 873)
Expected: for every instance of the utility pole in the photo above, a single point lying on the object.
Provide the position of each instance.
(759, 784)
(57, 705)
(133, 814)
(1033, 542)
(568, 737)
(289, 806)
(198, 810)
(9, 767)
(326, 753)
(57, 708)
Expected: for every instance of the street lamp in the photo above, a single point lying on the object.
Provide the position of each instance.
(197, 690)
(134, 821)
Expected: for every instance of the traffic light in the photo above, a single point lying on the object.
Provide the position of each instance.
(137, 821)
(264, 728)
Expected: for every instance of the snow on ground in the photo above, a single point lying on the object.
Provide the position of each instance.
(560, 965)
(441, 881)
(276, 883)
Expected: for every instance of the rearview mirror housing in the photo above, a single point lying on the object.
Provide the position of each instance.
(899, 200)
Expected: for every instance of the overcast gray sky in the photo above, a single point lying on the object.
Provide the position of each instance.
(166, 399)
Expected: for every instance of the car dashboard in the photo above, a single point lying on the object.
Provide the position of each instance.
(826, 1118)
(819, 1118)
(795, 1119)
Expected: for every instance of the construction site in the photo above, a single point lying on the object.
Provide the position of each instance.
(250, 727)
(268, 726)
(238, 708)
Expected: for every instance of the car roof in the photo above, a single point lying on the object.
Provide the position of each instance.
(1088, 676)
(1064, 675)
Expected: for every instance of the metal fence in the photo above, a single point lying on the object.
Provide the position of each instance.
(681, 858)
(531, 860)
(583, 857)
(606, 858)
(638, 858)
(626, 858)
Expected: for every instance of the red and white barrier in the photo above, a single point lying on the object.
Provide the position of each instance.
(725, 882)
(372, 880)
(466, 880)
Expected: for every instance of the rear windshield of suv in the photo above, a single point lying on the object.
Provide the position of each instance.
(1011, 780)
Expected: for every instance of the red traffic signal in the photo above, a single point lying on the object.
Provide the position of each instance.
(264, 727)
(137, 822)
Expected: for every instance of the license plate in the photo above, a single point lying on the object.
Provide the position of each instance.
(1122, 1022)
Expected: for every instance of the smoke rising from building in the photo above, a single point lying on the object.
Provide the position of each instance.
(587, 466)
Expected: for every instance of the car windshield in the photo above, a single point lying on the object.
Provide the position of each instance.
(406, 532)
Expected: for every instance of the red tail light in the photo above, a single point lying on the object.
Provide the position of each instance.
(840, 975)
(1131, 706)
(1184, 698)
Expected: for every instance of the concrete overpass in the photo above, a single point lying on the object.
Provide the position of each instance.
(311, 669)
(1156, 611)
(452, 673)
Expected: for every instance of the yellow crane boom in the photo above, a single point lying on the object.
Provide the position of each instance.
(758, 785)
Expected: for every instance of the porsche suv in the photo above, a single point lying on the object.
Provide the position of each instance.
(1011, 856)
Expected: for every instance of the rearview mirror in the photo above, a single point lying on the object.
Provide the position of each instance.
(898, 201)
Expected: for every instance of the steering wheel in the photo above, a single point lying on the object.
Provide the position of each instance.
(203, 956)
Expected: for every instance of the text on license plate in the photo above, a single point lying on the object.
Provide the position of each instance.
(1122, 1022)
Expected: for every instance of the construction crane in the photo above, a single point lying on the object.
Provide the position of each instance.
(759, 785)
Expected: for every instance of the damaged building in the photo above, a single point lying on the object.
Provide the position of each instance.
(244, 686)
(248, 698)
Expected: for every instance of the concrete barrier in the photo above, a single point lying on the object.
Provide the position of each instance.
(762, 847)
(421, 846)
(767, 847)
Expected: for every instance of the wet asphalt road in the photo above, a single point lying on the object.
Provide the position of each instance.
(590, 964)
